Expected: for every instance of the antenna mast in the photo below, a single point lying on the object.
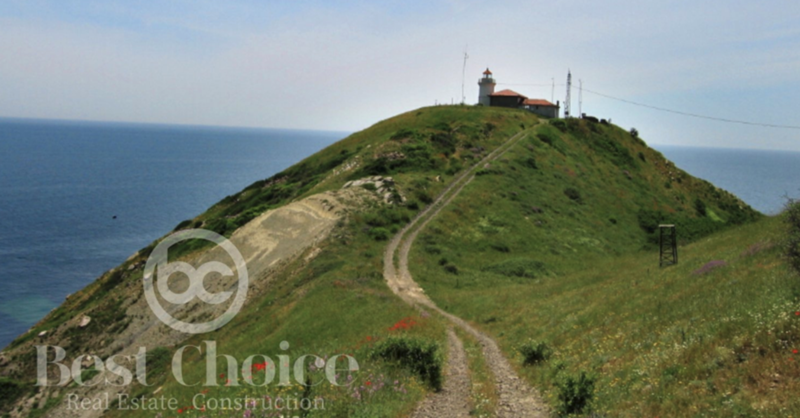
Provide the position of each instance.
(553, 90)
(463, 76)
(580, 98)
(569, 87)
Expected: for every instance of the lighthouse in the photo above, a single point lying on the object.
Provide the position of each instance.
(486, 85)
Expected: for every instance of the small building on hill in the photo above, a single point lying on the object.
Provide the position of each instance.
(509, 98)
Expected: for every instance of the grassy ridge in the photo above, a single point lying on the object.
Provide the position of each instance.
(555, 243)
(552, 242)
(337, 302)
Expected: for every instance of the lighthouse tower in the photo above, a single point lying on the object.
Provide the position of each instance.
(486, 85)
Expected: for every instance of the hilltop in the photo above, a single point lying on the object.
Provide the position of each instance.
(538, 233)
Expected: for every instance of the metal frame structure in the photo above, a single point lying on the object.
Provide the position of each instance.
(668, 245)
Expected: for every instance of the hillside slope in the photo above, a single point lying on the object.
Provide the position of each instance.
(572, 196)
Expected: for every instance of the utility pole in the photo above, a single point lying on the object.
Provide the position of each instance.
(569, 88)
(463, 76)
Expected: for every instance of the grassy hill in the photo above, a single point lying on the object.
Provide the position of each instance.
(553, 243)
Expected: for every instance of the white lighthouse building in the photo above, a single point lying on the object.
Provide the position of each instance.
(486, 85)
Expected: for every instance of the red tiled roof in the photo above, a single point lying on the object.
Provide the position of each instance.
(487, 72)
(507, 93)
(537, 102)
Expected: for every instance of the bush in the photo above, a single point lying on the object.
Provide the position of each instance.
(10, 391)
(700, 207)
(423, 358)
(575, 394)
(792, 221)
(573, 194)
(560, 125)
(451, 269)
(183, 225)
(517, 267)
(503, 248)
(379, 234)
(530, 163)
(534, 352)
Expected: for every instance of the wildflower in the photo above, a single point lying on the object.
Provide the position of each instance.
(794, 351)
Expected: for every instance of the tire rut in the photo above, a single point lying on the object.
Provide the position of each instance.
(516, 397)
(453, 400)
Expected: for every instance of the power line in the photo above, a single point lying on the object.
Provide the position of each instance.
(535, 85)
(694, 115)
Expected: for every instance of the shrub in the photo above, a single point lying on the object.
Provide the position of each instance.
(423, 197)
(451, 269)
(634, 133)
(517, 267)
(560, 125)
(534, 352)
(573, 194)
(503, 248)
(10, 391)
(547, 138)
(183, 225)
(369, 186)
(421, 357)
(530, 163)
(575, 394)
(379, 234)
(700, 207)
(792, 221)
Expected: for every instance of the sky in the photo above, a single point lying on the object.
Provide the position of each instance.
(345, 65)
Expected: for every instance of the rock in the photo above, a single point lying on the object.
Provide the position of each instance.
(85, 320)
(43, 333)
(3, 359)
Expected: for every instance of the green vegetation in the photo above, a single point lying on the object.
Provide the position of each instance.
(534, 352)
(422, 357)
(549, 250)
(792, 219)
(575, 394)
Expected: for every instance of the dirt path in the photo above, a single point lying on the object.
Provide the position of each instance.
(516, 398)
(453, 400)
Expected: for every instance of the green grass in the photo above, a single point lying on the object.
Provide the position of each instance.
(659, 342)
(552, 243)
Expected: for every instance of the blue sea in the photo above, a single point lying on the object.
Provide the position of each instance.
(63, 183)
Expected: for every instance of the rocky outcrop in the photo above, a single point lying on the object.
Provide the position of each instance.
(383, 186)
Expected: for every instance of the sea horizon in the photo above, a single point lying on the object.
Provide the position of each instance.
(59, 233)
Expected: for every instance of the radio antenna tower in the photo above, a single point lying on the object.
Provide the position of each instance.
(463, 76)
(553, 91)
(580, 98)
(569, 87)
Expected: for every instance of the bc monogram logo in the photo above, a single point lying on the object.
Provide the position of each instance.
(160, 269)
